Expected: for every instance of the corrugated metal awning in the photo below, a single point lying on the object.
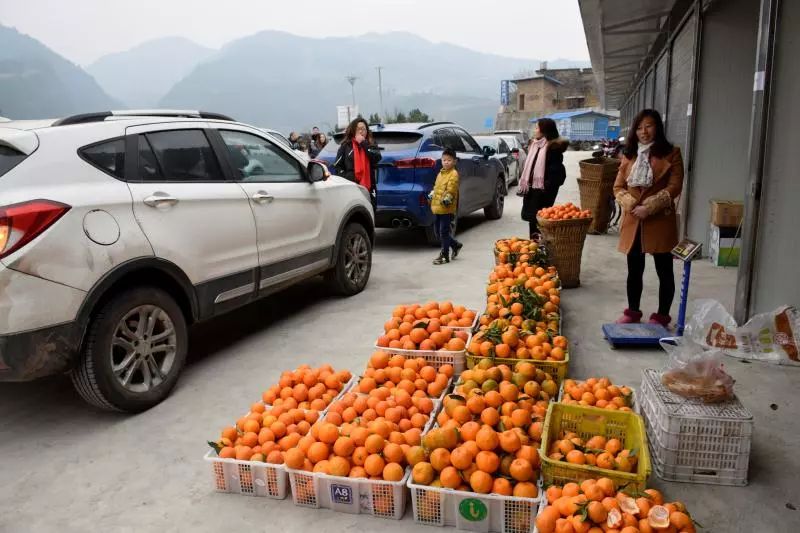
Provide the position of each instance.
(620, 35)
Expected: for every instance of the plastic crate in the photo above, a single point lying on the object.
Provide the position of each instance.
(557, 369)
(474, 512)
(384, 499)
(587, 422)
(692, 441)
(435, 358)
(632, 405)
(248, 477)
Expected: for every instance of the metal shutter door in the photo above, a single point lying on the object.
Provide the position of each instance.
(680, 85)
(660, 101)
(648, 90)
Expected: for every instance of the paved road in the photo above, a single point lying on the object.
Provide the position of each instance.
(65, 467)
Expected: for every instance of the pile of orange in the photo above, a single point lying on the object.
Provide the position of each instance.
(508, 341)
(411, 333)
(596, 506)
(264, 435)
(597, 392)
(476, 457)
(396, 373)
(307, 388)
(484, 381)
(566, 211)
(516, 250)
(449, 315)
(597, 451)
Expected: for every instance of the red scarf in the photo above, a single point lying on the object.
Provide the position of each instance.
(362, 170)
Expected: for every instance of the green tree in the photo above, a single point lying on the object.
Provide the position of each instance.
(374, 118)
(415, 115)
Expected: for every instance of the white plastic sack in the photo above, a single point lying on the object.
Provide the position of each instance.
(773, 337)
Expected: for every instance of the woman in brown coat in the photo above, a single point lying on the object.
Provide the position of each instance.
(648, 183)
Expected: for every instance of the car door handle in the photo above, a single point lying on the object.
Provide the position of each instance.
(262, 197)
(159, 199)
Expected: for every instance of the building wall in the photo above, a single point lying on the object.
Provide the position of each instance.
(540, 96)
(722, 114)
(577, 82)
(778, 248)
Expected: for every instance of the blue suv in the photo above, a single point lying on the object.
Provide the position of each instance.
(411, 155)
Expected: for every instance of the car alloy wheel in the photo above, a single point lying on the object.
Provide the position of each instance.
(143, 348)
(356, 258)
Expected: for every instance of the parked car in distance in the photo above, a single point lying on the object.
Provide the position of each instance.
(518, 151)
(411, 159)
(502, 154)
(118, 230)
(523, 136)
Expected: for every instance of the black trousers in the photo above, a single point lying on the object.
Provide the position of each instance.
(666, 277)
(535, 200)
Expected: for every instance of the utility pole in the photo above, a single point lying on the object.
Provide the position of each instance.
(352, 81)
(380, 92)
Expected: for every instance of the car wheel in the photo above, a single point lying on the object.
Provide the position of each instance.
(433, 238)
(134, 351)
(494, 210)
(354, 262)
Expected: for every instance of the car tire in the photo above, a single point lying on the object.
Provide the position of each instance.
(494, 211)
(433, 239)
(353, 263)
(115, 352)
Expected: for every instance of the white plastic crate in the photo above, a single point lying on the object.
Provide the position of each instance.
(470, 511)
(384, 499)
(633, 404)
(692, 441)
(435, 358)
(250, 478)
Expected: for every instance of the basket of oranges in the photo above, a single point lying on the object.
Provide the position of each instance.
(564, 228)
(516, 250)
(580, 443)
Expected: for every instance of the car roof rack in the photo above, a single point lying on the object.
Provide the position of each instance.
(100, 116)
(440, 123)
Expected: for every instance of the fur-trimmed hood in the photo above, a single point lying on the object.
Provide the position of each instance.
(560, 144)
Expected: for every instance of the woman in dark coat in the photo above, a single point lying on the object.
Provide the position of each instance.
(544, 172)
(358, 155)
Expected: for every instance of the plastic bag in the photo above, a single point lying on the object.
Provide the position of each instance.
(773, 337)
(692, 371)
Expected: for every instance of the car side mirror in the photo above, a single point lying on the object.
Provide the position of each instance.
(488, 152)
(317, 171)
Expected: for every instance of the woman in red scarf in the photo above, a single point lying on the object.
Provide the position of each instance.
(358, 155)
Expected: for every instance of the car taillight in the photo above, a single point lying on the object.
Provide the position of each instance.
(416, 162)
(21, 223)
(423, 199)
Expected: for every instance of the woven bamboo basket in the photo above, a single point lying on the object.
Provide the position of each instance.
(564, 239)
(596, 196)
(599, 168)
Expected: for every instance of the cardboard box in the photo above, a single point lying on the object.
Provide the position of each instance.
(726, 213)
(724, 246)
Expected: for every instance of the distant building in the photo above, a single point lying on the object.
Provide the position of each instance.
(546, 92)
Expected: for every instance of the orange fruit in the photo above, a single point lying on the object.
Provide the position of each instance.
(487, 461)
(546, 521)
(525, 489)
(393, 472)
(375, 443)
(487, 439)
(481, 482)
(422, 473)
(294, 458)
(521, 469)
(502, 486)
(344, 447)
(440, 459)
(450, 478)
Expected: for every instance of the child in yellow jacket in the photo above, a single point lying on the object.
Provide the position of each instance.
(444, 204)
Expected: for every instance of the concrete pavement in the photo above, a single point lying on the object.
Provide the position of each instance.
(65, 467)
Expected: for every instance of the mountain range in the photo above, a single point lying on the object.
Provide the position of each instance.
(272, 79)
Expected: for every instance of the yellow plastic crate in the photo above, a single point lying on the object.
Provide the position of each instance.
(557, 369)
(588, 422)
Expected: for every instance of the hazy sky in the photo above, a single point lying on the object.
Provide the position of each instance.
(84, 30)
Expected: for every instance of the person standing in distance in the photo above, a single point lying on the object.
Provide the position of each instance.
(358, 156)
(444, 203)
(543, 174)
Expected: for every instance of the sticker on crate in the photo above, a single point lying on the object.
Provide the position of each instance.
(473, 509)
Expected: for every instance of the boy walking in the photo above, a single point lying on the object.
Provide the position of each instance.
(444, 202)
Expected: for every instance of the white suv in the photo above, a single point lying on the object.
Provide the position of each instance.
(119, 229)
